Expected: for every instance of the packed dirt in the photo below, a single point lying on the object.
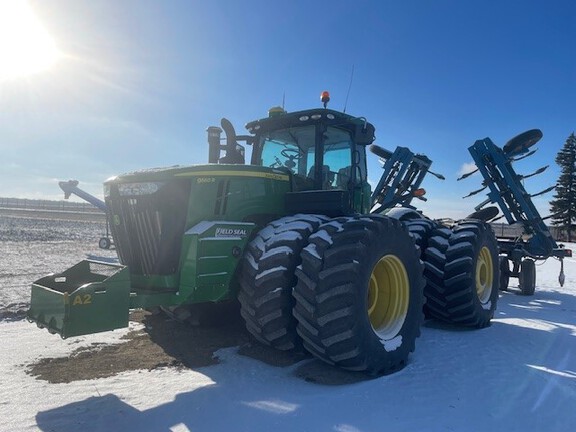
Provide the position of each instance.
(163, 342)
(36, 246)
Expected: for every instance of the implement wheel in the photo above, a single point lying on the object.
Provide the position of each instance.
(104, 243)
(521, 143)
(462, 274)
(267, 279)
(527, 277)
(359, 294)
(504, 273)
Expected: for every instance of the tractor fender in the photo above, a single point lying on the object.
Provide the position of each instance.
(404, 213)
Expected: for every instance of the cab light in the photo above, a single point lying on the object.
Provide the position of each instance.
(325, 98)
(419, 192)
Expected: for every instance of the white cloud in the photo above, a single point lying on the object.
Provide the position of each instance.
(466, 168)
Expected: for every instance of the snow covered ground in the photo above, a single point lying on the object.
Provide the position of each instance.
(517, 375)
(33, 247)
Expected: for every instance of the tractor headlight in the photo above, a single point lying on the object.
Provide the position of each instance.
(137, 189)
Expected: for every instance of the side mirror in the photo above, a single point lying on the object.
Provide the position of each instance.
(364, 133)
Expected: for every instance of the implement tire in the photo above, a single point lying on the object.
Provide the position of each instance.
(462, 274)
(359, 294)
(504, 273)
(527, 277)
(267, 280)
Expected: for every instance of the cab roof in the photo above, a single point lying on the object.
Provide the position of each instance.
(282, 119)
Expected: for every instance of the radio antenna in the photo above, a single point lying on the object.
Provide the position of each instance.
(283, 99)
(349, 87)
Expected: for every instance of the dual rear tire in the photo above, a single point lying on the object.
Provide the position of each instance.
(359, 294)
(268, 278)
(350, 292)
(462, 274)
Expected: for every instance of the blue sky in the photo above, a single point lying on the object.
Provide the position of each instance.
(139, 81)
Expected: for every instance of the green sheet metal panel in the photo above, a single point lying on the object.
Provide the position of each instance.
(210, 259)
(89, 297)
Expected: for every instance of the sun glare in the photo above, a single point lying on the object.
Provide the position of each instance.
(26, 47)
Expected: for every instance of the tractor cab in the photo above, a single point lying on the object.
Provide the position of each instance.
(323, 151)
(320, 156)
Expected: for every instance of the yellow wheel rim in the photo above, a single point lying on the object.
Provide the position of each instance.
(484, 275)
(388, 296)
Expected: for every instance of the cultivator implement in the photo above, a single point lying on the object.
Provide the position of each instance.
(506, 190)
(403, 174)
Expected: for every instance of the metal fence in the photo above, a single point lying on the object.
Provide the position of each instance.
(500, 229)
(514, 231)
(47, 205)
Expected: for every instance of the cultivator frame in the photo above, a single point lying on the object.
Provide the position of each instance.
(506, 190)
(403, 174)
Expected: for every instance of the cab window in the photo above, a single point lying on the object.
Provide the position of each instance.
(291, 148)
(337, 159)
(294, 149)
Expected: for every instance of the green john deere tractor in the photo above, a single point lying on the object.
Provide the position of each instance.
(291, 236)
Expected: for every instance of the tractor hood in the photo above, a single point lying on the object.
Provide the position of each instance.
(200, 171)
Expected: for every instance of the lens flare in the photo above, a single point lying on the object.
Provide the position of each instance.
(26, 48)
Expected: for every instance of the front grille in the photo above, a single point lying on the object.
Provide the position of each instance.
(148, 229)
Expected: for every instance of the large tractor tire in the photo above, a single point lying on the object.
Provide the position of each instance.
(417, 225)
(527, 277)
(359, 294)
(268, 278)
(462, 274)
(420, 229)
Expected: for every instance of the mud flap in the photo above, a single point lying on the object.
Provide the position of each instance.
(89, 297)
